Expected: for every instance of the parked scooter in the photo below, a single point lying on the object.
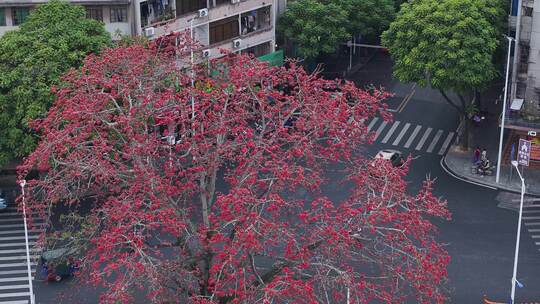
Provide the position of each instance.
(483, 168)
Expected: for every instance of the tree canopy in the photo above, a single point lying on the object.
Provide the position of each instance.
(449, 45)
(319, 26)
(55, 37)
(215, 193)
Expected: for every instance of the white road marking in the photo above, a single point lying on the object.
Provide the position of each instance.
(16, 244)
(434, 141)
(17, 257)
(9, 213)
(8, 251)
(400, 135)
(423, 139)
(390, 132)
(372, 123)
(15, 264)
(413, 136)
(12, 238)
(533, 230)
(532, 224)
(14, 294)
(14, 279)
(21, 271)
(6, 287)
(379, 130)
(15, 302)
(446, 143)
(531, 217)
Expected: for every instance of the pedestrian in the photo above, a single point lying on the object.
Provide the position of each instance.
(476, 157)
(483, 156)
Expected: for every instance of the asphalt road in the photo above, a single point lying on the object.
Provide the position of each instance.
(480, 237)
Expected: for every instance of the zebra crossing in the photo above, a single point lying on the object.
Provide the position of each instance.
(14, 285)
(531, 220)
(410, 136)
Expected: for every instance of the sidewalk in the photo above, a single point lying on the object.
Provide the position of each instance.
(486, 135)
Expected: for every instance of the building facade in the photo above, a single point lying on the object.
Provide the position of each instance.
(235, 25)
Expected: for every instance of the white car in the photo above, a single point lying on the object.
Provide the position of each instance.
(394, 156)
(3, 201)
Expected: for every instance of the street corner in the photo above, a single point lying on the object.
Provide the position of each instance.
(457, 163)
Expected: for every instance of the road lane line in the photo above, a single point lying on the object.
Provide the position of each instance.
(400, 135)
(446, 143)
(372, 123)
(379, 130)
(530, 211)
(423, 139)
(390, 132)
(532, 224)
(413, 136)
(533, 230)
(435, 141)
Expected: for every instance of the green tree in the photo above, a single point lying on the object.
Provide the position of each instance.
(368, 18)
(319, 26)
(55, 37)
(314, 27)
(448, 45)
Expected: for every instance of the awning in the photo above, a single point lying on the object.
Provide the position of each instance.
(274, 59)
(516, 105)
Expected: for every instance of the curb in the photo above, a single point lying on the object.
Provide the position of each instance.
(469, 180)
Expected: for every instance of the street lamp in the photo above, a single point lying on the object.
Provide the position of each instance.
(22, 183)
(510, 39)
(514, 279)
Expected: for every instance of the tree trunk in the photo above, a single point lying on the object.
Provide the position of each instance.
(465, 134)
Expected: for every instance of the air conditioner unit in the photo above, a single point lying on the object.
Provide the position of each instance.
(206, 53)
(149, 31)
(203, 12)
(235, 1)
(237, 43)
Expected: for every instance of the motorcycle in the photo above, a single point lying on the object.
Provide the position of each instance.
(483, 169)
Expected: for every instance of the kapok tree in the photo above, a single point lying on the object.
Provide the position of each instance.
(215, 193)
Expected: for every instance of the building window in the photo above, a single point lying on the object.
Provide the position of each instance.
(527, 11)
(224, 29)
(95, 13)
(255, 20)
(153, 11)
(189, 6)
(119, 14)
(2, 17)
(220, 2)
(19, 15)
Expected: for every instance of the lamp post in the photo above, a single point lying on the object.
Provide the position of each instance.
(510, 39)
(22, 183)
(192, 58)
(516, 255)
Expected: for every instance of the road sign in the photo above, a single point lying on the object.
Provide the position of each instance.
(524, 152)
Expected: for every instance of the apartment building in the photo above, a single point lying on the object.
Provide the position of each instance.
(522, 117)
(113, 13)
(235, 25)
